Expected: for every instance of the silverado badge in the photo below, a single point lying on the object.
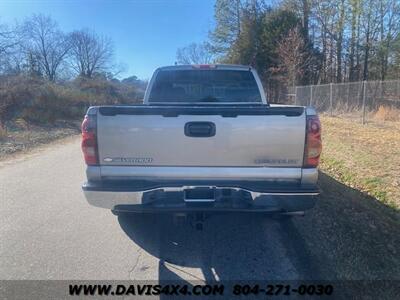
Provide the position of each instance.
(132, 160)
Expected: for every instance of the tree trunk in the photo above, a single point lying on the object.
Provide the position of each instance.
(306, 15)
(366, 53)
(352, 40)
(339, 42)
(367, 45)
(358, 48)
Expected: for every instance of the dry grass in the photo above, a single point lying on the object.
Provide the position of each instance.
(387, 113)
(365, 157)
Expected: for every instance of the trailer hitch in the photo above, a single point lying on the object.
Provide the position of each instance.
(195, 220)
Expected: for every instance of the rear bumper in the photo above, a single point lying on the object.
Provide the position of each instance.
(169, 196)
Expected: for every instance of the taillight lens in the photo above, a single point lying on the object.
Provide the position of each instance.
(204, 66)
(313, 146)
(89, 140)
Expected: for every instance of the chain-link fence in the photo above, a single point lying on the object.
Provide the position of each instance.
(362, 98)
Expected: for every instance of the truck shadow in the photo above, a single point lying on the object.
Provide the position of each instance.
(359, 234)
(347, 235)
(230, 247)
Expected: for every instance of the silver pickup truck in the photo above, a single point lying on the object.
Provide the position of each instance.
(205, 139)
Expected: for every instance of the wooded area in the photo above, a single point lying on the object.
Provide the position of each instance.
(302, 42)
(289, 42)
(47, 74)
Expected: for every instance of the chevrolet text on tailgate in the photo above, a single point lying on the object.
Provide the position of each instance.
(205, 139)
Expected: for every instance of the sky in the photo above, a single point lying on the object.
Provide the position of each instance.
(146, 33)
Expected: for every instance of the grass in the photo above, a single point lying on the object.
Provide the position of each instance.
(354, 229)
(364, 157)
(353, 235)
(386, 113)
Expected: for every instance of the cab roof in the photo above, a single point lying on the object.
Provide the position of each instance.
(206, 67)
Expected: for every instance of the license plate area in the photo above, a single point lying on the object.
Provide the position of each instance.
(199, 195)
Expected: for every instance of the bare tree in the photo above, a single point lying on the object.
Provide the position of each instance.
(46, 42)
(355, 10)
(7, 39)
(9, 49)
(293, 56)
(330, 17)
(370, 26)
(90, 53)
(195, 54)
(389, 27)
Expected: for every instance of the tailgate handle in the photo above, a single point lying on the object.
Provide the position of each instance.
(200, 129)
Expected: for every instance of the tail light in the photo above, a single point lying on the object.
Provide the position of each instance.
(313, 146)
(204, 66)
(89, 140)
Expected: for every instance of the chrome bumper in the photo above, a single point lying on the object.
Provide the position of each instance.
(149, 200)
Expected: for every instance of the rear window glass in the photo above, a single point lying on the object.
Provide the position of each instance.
(205, 86)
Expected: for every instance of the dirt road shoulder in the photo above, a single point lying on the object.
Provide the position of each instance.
(19, 143)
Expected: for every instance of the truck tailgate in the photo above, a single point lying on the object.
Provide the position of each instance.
(177, 136)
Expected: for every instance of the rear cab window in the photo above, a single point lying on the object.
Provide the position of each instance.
(205, 86)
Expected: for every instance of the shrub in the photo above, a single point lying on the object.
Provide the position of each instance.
(39, 101)
(3, 132)
(22, 123)
(15, 94)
